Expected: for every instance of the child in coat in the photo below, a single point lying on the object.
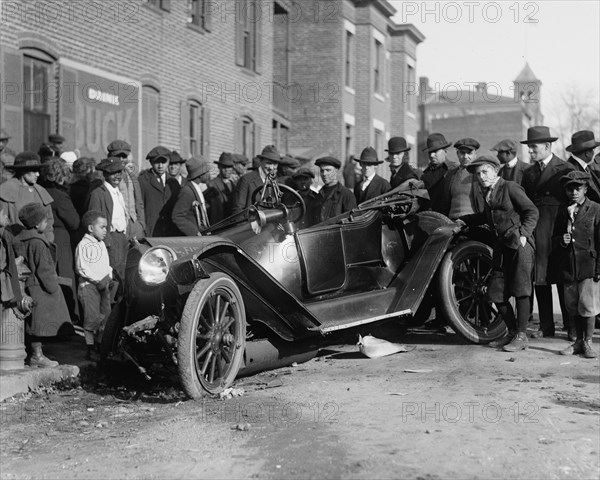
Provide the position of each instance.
(95, 276)
(50, 309)
(577, 235)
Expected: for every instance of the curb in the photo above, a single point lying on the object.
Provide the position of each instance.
(13, 382)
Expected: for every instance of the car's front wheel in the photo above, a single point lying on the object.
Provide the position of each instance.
(462, 280)
(212, 336)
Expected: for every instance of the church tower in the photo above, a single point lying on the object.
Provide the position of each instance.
(527, 90)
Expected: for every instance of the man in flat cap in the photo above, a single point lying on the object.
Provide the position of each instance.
(433, 175)
(513, 216)
(333, 198)
(372, 185)
(157, 194)
(512, 168)
(583, 145)
(269, 159)
(130, 188)
(400, 169)
(240, 166)
(108, 199)
(223, 186)
(541, 182)
(55, 142)
(460, 188)
(577, 236)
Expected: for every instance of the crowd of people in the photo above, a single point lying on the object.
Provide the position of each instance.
(73, 219)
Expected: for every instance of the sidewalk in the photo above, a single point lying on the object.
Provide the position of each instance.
(69, 352)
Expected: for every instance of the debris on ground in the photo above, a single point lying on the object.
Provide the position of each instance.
(417, 370)
(230, 393)
(374, 347)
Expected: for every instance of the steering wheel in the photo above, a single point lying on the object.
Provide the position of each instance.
(271, 202)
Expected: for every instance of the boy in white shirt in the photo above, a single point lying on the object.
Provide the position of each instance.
(95, 277)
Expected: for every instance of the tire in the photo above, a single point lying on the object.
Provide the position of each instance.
(211, 347)
(462, 279)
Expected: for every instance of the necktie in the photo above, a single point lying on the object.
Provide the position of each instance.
(160, 181)
(542, 165)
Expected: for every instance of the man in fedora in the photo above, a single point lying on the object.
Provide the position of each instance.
(512, 168)
(460, 188)
(269, 159)
(435, 172)
(223, 186)
(108, 199)
(23, 189)
(333, 198)
(372, 185)
(513, 216)
(541, 182)
(158, 194)
(192, 210)
(583, 144)
(400, 169)
(130, 187)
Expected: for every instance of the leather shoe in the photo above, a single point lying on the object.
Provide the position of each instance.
(574, 349)
(572, 335)
(540, 334)
(588, 352)
(519, 342)
(41, 361)
(502, 341)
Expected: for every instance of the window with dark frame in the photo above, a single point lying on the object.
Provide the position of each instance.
(378, 67)
(196, 129)
(248, 147)
(162, 4)
(248, 35)
(198, 13)
(349, 55)
(36, 110)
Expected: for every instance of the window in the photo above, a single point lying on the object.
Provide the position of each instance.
(248, 137)
(248, 35)
(348, 142)
(280, 136)
(195, 129)
(200, 14)
(162, 4)
(37, 74)
(378, 68)
(349, 56)
(150, 98)
(378, 142)
(411, 81)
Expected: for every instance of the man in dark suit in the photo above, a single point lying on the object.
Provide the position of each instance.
(269, 159)
(400, 169)
(435, 172)
(372, 185)
(460, 187)
(513, 216)
(157, 194)
(541, 182)
(333, 198)
(512, 167)
(582, 149)
(191, 212)
(108, 199)
(223, 188)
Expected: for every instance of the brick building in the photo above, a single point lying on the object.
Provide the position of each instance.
(206, 76)
(355, 67)
(480, 112)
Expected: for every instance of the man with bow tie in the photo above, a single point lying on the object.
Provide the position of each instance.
(541, 182)
(583, 145)
(513, 216)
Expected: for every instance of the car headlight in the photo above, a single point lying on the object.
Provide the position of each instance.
(154, 265)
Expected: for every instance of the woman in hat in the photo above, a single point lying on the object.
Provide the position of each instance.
(577, 237)
(23, 189)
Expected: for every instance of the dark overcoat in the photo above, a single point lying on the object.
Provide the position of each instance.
(593, 191)
(50, 312)
(158, 204)
(403, 173)
(433, 181)
(378, 186)
(222, 201)
(184, 214)
(514, 174)
(243, 190)
(546, 192)
(331, 204)
(581, 258)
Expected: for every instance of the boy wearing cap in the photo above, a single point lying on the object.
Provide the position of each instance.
(513, 216)
(50, 311)
(460, 188)
(372, 185)
(333, 198)
(512, 167)
(157, 194)
(400, 169)
(541, 182)
(433, 175)
(577, 236)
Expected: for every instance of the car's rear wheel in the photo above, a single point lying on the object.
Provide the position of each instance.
(212, 336)
(462, 278)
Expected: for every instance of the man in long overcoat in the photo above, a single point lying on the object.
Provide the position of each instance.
(372, 185)
(437, 169)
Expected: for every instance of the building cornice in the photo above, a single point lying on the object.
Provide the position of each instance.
(396, 29)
